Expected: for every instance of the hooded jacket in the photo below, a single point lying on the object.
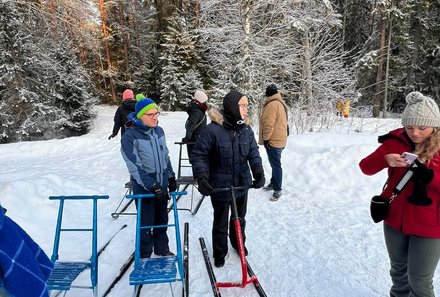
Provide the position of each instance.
(402, 215)
(273, 122)
(224, 154)
(196, 119)
(121, 115)
(146, 154)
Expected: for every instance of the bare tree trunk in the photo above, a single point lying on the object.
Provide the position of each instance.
(125, 39)
(247, 51)
(107, 49)
(373, 17)
(387, 70)
(416, 38)
(378, 90)
(307, 71)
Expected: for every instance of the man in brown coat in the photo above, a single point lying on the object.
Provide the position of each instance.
(273, 135)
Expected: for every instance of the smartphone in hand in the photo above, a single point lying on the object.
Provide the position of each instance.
(409, 157)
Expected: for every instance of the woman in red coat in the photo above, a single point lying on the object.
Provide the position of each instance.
(412, 225)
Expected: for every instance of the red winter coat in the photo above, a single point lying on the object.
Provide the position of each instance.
(409, 218)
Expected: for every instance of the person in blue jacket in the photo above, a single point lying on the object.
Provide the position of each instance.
(145, 152)
(224, 156)
(24, 267)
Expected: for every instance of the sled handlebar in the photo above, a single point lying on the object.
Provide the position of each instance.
(231, 188)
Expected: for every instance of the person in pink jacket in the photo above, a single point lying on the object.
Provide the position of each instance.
(412, 224)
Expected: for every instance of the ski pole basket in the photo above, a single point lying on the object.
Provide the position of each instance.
(64, 273)
(165, 269)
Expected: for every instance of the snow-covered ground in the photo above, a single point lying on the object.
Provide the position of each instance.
(317, 240)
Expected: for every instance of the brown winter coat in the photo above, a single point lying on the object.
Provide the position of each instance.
(273, 122)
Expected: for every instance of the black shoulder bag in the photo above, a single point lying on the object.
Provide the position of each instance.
(379, 205)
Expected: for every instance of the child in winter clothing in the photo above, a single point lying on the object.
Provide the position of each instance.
(412, 226)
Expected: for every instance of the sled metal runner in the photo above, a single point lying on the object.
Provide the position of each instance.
(121, 212)
(248, 276)
(186, 180)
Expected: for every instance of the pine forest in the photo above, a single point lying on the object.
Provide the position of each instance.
(59, 58)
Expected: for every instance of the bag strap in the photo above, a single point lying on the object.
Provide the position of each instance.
(402, 183)
(199, 123)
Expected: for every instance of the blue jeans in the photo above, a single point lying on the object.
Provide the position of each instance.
(274, 155)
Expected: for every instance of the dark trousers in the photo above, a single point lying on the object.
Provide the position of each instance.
(274, 156)
(413, 263)
(153, 213)
(220, 225)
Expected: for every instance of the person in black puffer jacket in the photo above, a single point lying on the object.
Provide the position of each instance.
(224, 156)
(196, 121)
(127, 106)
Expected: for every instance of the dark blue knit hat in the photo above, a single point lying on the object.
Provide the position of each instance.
(144, 105)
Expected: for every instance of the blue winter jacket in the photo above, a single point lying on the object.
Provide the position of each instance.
(225, 156)
(24, 267)
(145, 152)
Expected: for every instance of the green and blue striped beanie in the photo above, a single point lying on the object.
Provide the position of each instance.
(144, 105)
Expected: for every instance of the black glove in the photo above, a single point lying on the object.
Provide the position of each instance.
(185, 140)
(259, 179)
(160, 193)
(420, 195)
(266, 144)
(204, 187)
(111, 136)
(172, 185)
(422, 173)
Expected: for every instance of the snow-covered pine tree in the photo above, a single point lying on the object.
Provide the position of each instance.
(44, 93)
(179, 76)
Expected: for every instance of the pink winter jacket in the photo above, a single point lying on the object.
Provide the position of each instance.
(409, 218)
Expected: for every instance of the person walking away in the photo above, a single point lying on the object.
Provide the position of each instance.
(273, 134)
(196, 121)
(346, 110)
(339, 107)
(411, 226)
(127, 106)
(224, 156)
(145, 153)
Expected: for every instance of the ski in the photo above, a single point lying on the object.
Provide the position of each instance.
(138, 290)
(185, 291)
(121, 273)
(196, 209)
(257, 284)
(109, 240)
(211, 275)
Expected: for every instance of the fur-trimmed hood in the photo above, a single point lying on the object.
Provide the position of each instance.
(216, 116)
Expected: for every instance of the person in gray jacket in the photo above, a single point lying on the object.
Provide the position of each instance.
(145, 152)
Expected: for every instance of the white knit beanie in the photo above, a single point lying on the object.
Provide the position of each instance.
(420, 111)
(200, 96)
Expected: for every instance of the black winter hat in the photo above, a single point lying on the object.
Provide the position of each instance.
(231, 109)
(271, 90)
